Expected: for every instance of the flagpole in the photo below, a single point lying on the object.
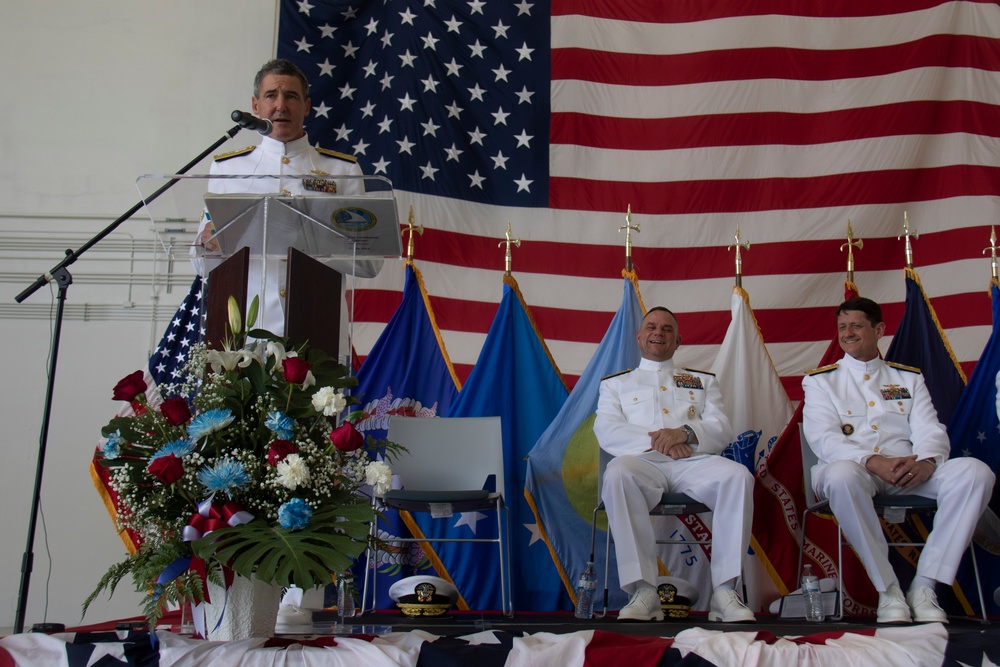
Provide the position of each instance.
(851, 245)
(411, 228)
(909, 246)
(739, 260)
(628, 227)
(993, 252)
(508, 257)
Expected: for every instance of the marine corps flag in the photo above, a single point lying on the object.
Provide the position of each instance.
(779, 500)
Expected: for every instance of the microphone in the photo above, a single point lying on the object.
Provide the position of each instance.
(251, 122)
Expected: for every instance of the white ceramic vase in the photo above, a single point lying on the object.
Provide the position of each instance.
(249, 610)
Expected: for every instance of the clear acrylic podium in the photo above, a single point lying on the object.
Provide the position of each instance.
(292, 246)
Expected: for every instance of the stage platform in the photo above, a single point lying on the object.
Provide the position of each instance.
(489, 639)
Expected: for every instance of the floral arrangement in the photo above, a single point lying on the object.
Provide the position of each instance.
(243, 467)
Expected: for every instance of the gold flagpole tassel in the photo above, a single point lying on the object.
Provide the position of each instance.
(909, 246)
(851, 245)
(507, 255)
(739, 259)
(993, 251)
(628, 227)
(411, 228)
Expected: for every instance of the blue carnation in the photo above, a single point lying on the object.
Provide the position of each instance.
(295, 514)
(281, 425)
(179, 448)
(224, 476)
(210, 421)
(112, 448)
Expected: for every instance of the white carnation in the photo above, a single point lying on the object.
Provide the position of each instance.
(379, 476)
(328, 401)
(293, 472)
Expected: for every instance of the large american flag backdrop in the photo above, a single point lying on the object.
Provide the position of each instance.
(786, 117)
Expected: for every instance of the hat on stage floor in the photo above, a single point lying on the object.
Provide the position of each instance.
(677, 596)
(423, 596)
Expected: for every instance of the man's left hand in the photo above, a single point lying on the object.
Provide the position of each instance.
(670, 442)
(913, 473)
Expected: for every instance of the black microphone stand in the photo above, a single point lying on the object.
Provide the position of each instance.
(62, 277)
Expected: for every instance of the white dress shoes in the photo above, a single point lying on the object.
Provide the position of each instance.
(643, 607)
(892, 607)
(924, 605)
(727, 607)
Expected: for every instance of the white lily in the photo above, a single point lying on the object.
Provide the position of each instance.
(228, 359)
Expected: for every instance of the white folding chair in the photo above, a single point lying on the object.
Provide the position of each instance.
(446, 466)
(907, 503)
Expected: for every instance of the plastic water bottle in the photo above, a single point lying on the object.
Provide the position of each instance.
(811, 595)
(345, 596)
(586, 587)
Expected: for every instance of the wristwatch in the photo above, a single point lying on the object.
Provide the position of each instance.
(689, 432)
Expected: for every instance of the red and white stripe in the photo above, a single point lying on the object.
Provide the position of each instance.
(788, 122)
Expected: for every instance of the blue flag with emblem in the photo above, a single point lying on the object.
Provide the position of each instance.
(408, 373)
(561, 482)
(515, 378)
(920, 341)
(974, 430)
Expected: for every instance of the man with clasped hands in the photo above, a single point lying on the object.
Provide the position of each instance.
(665, 427)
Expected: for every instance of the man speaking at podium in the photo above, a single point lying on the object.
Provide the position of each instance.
(281, 101)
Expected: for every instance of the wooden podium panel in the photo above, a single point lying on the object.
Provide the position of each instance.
(227, 279)
(312, 303)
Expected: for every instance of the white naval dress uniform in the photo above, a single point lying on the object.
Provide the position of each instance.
(276, 158)
(856, 409)
(659, 395)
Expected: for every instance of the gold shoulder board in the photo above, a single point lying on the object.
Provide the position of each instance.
(822, 369)
(339, 156)
(695, 370)
(614, 375)
(911, 369)
(221, 157)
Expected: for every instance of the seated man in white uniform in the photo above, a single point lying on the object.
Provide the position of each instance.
(875, 430)
(665, 427)
(281, 95)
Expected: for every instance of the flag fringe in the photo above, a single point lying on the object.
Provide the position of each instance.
(552, 552)
(430, 315)
(512, 283)
(109, 505)
(912, 275)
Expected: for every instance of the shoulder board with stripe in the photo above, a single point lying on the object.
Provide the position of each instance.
(822, 369)
(911, 369)
(614, 375)
(221, 157)
(339, 156)
(695, 370)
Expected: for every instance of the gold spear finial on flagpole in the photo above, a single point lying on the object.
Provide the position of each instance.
(909, 246)
(628, 227)
(739, 260)
(993, 251)
(507, 256)
(851, 245)
(411, 228)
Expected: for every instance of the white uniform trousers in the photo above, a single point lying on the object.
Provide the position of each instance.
(962, 487)
(633, 486)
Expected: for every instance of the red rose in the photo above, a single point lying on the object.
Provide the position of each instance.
(278, 450)
(295, 369)
(168, 469)
(175, 411)
(346, 438)
(129, 387)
